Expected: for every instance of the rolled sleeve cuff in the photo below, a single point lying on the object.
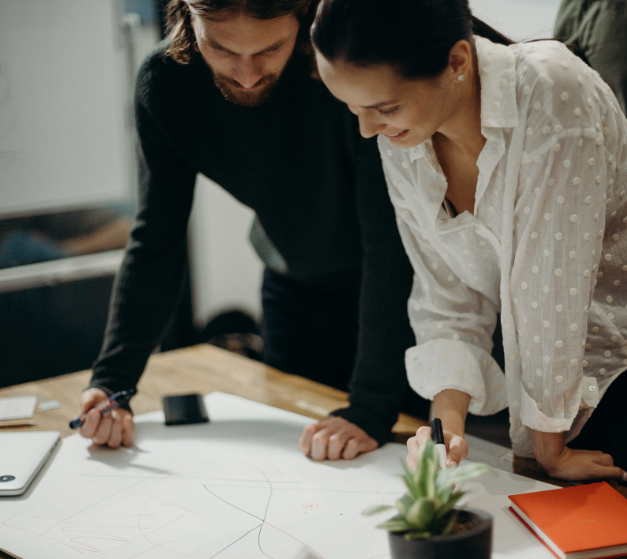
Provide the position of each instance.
(376, 427)
(439, 365)
(532, 417)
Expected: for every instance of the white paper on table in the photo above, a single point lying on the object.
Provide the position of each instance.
(236, 487)
(18, 407)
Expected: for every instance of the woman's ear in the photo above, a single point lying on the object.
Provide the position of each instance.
(460, 60)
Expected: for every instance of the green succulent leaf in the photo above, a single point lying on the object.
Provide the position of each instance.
(427, 469)
(403, 504)
(394, 525)
(409, 478)
(416, 535)
(375, 509)
(450, 476)
(444, 510)
(450, 523)
(445, 494)
(421, 514)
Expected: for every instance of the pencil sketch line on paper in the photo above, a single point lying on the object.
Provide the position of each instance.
(263, 521)
(265, 515)
(86, 508)
(152, 505)
(260, 526)
(238, 539)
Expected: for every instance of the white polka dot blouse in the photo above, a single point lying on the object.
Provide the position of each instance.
(546, 247)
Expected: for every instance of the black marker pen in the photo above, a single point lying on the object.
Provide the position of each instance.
(438, 438)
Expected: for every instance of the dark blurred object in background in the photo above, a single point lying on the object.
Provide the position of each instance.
(599, 29)
(54, 329)
(235, 331)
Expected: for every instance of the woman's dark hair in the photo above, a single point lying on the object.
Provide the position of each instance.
(182, 41)
(414, 36)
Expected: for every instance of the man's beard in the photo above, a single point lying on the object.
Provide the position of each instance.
(232, 92)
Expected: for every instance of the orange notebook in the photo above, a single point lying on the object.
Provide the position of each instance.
(581, 522)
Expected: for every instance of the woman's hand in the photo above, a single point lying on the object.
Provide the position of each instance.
(561, 462)
(456, 447)
(451, 406)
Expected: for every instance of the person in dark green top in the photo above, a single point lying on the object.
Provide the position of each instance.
(599, 29)
(231, 94)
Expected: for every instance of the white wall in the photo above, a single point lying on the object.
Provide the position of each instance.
(520, 20)
(65, 139)
(225, 269)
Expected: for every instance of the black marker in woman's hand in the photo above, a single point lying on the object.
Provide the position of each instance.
(438, 438)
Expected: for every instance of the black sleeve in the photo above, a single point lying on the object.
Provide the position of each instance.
(379, 381)
(149, 284)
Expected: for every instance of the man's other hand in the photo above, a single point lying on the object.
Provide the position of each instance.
(112, 429)
(333, 438)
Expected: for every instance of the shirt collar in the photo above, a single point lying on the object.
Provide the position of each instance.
(497, 72)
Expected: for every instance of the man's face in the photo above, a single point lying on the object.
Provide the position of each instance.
(246, 55)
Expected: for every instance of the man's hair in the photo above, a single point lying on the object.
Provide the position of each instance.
(182, 41)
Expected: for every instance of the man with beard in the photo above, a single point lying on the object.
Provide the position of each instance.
(231, 94)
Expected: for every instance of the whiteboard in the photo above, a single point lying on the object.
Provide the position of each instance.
(63, 92)
(234, 488)
(520, 20)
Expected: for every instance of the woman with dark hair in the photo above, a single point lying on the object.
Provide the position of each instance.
(507, 167)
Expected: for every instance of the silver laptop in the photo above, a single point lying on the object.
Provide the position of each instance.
(22, 455)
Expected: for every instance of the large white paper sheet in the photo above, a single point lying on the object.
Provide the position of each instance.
(234, 488)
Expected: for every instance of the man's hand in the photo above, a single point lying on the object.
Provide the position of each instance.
(333, 438)
(561, 462)
(113, 429)
(456, 446)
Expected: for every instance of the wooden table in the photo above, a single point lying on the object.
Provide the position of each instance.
(205, 369)
(202, 369)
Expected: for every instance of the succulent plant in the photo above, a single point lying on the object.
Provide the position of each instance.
(427, 507)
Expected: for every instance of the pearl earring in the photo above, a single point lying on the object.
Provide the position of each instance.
(460, 77)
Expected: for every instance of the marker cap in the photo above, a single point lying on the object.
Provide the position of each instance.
(436, 431)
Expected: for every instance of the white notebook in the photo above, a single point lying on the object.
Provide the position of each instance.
(18, 407)
(22, 455)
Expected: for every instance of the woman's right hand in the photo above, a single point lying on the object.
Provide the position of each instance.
(456, 447)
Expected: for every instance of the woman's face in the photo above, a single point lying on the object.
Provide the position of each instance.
(408, 112)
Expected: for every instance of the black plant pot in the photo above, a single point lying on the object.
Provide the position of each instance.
(474, 543)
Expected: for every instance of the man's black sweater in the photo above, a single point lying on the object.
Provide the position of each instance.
(318, 191)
